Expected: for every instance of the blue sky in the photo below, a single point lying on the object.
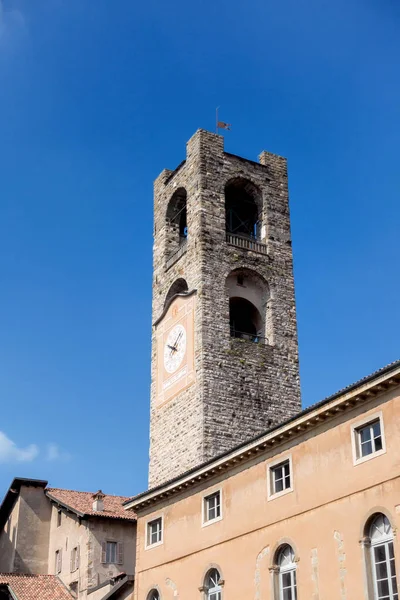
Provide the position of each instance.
(96, 98)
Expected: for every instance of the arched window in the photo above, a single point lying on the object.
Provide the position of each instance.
(179, 286)
(242, 208)
(249, 312)
(153, 595)
(176, 221)
(212, 585)
(286, 574)
(382, 558)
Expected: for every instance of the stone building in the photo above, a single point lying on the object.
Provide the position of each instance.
(307, 510)
(86, 541)
(224, 351)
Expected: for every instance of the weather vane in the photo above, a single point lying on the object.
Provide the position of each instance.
(220, 124)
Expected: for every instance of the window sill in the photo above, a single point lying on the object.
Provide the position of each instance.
(151, 546)
(360, 461)
(211, 521)
(280, 494)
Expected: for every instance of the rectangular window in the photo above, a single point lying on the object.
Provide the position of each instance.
(212, 507)
(59, 515)
(74, 559)
(111, 552)
(58, 561)
(280, 477)
(369, 438)
(154, 532)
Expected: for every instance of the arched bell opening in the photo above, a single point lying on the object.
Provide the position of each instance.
(243, 207)
(176, 221)
(249, 306)
(245, 320)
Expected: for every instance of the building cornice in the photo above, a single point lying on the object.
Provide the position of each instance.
(309, 419)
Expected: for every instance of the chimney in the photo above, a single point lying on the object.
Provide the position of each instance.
(98, 501)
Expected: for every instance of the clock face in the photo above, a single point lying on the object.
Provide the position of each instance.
(175, 348)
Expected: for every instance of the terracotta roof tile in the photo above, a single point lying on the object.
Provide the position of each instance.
(35, 587)
(82, 502)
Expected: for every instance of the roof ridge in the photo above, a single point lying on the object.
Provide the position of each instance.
(48, 489)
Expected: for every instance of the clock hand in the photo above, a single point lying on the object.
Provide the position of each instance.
(177, 339)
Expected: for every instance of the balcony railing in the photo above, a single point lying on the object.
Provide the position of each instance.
(250, 337)
(246, 243)
(172, 258)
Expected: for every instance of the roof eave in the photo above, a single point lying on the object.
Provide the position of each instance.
(310, 418)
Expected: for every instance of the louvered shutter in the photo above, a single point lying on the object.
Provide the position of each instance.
(103, 552)
(60, 561)
(120, 550)
(78, 554)
(72, 561)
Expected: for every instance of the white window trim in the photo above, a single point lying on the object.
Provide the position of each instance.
(204, 522)
(156, 544)
(270, 466)
(354, 438)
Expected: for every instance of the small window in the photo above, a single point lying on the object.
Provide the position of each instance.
(59, 516)
(212, 507)
(74, 559)
(280, 477)
(58, 561)
(154, 532)
(368, 439)
(153, 595)
(111, 552)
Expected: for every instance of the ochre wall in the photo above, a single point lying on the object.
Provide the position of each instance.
(8, 540)
(25, 537)
(323, 519)
(89, 535)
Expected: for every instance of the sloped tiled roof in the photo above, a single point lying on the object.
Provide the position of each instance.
(35, 587)
(82, 503)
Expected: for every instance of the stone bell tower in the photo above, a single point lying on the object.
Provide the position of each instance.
(224, 347)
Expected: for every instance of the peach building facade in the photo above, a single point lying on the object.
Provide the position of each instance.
(309, 510)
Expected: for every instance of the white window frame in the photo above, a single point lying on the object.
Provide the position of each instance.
(215, 591)
(291, 570)
(384, 541)
(205, 520)
(355, 438)
(148, 523)
(270, 477)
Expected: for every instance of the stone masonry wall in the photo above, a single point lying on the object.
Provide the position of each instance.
(241, 388)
